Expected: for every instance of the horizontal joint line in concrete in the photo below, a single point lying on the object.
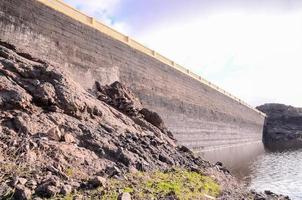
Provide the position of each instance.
(68, 10)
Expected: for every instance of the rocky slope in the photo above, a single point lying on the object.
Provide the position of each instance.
(57, 139)
(283, 127)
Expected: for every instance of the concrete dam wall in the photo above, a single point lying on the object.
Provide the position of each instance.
(201, 116)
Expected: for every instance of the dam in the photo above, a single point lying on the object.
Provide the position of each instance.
(200, 114)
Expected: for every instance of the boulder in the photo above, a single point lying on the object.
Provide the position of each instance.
(18, 181)
(69, 138)
(22, 181)
(32, 184)
(120, 97)
(49, 188)
(54, 134)
(31, 156)
(66, 189)
(113, 171)
(47, 191)
(153, 118)
(45, 93)
(97, 181)
(22, 193)
(124, 196)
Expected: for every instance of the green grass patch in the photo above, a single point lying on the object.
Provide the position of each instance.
(182, 184)
(179, 183)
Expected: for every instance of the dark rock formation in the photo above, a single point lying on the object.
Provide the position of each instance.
(60, 132)
(119, 97)
(283, 126)
(55, 136)
(125, 101)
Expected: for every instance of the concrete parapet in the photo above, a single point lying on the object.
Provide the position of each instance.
(200, 114)
(60, 6)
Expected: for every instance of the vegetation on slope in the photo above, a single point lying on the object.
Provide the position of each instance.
(177, 183)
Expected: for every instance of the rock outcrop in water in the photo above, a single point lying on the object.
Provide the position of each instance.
(283, 126)
(58, 139)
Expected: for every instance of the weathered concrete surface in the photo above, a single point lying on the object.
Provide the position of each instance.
(200, 117)
(56, 135)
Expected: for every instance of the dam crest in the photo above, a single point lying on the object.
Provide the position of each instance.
(202, 116)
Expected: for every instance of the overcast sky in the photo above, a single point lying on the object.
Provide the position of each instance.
(252, 49)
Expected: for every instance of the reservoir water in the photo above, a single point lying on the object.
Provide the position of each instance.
(259, 169)
(280, 172)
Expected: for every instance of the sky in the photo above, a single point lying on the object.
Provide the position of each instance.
(252, 49)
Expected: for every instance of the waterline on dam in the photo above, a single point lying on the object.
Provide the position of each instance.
(237, 157)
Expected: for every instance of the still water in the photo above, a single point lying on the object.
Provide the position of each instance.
(279, 172)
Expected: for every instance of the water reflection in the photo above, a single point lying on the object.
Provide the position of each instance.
(237, 158)
(278, 171)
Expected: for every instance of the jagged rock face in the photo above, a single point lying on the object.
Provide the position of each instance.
(125, 101)
(57, 138)
(53, 125)
(119, 97)
(283, 125)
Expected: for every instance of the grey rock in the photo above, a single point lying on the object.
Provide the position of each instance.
(54, 134)
(66, 189)
(32, 184)
(153, 118)
(5, 189)
(165, 159)
(69, 138)
(48, 188)
(52, 190)
(75, 184)
(22, 193)
(120, 97)
(112, 171)
(98, 181)
(124, 196)
(22, 181)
